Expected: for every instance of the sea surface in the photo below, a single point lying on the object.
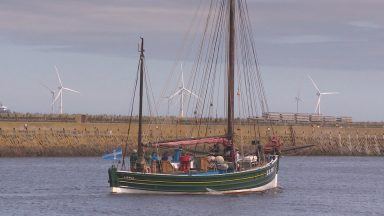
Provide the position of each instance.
(79, 186)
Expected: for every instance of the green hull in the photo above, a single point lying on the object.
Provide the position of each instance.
(256, 179)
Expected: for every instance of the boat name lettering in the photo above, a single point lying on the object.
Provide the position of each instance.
(270, 171)
(129, 178)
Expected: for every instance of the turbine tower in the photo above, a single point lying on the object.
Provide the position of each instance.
(61, 90)
(53, 97)
(319, 94)
(182, 91)
(298, 100)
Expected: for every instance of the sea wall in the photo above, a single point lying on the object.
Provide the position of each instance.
(73, 138)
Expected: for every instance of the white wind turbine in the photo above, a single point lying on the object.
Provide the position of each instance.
(298, 100)
(53, 97)
(319, 94)
(60, 92)
(182, 91)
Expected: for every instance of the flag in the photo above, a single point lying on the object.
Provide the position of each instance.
(116, 154)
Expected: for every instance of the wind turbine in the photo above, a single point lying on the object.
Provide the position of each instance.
(298, 100)
(319, 94)
(182, 91)
(60, 92)
(3, 109)
(53, 97)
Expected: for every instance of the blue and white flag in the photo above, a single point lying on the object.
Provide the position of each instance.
(116, 154)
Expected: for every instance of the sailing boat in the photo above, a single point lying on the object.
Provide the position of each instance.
(215, 174)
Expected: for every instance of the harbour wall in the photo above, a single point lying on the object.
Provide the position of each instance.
(81, 138)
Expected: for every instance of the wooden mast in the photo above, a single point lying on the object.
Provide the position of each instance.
(231, 70)
(140, 151)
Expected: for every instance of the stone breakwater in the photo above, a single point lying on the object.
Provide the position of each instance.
(18, 139)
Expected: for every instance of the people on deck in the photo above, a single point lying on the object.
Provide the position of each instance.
(177, 154)
(147, 157)
(260, 153)
(155, 165)
(154, 157)
(215, 150)
(133, 160)
(228, 153)
(165, 156)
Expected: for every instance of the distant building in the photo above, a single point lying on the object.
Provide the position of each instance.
(304, 118)
(3, 109)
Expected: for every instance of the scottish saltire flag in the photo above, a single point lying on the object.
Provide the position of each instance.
(116, 154)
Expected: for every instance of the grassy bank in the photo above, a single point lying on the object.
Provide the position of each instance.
(73, 138)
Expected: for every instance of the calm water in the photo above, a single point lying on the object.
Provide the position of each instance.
(78, 186)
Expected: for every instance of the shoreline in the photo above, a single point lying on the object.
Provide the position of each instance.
(99, 156)
(75, 139)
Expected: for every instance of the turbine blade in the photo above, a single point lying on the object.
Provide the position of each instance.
(47, 87)
(68, 89)
(314, 84)
(175, 94)
(58, 76)
(329, 93)
(190, 92)
(195, 95)
(182, 75)
(57, 97)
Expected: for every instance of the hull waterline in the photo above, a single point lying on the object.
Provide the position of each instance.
(269, 186)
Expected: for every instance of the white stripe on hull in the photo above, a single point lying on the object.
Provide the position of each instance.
(270, 185)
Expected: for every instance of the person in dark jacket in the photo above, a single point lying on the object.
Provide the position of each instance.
(133, 160)
(165, 156)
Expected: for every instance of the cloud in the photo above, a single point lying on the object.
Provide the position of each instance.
(112, 28)
(292, 37)
(365, 24)
(304, 39)
(93, 26)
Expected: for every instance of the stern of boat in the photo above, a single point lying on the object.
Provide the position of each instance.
(112, 176)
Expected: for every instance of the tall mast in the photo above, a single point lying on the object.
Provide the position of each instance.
(231, 70)
(140, 152)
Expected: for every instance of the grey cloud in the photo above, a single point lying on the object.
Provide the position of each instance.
(90, 26)
(335, 40)
(365, 24)
(306, 32)
(304, 39)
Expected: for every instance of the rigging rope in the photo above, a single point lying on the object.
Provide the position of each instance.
(131, 114)
(211, 65)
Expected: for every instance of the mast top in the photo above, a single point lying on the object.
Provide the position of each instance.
(140, 153)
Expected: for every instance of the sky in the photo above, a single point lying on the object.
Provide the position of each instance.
(339, 43)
